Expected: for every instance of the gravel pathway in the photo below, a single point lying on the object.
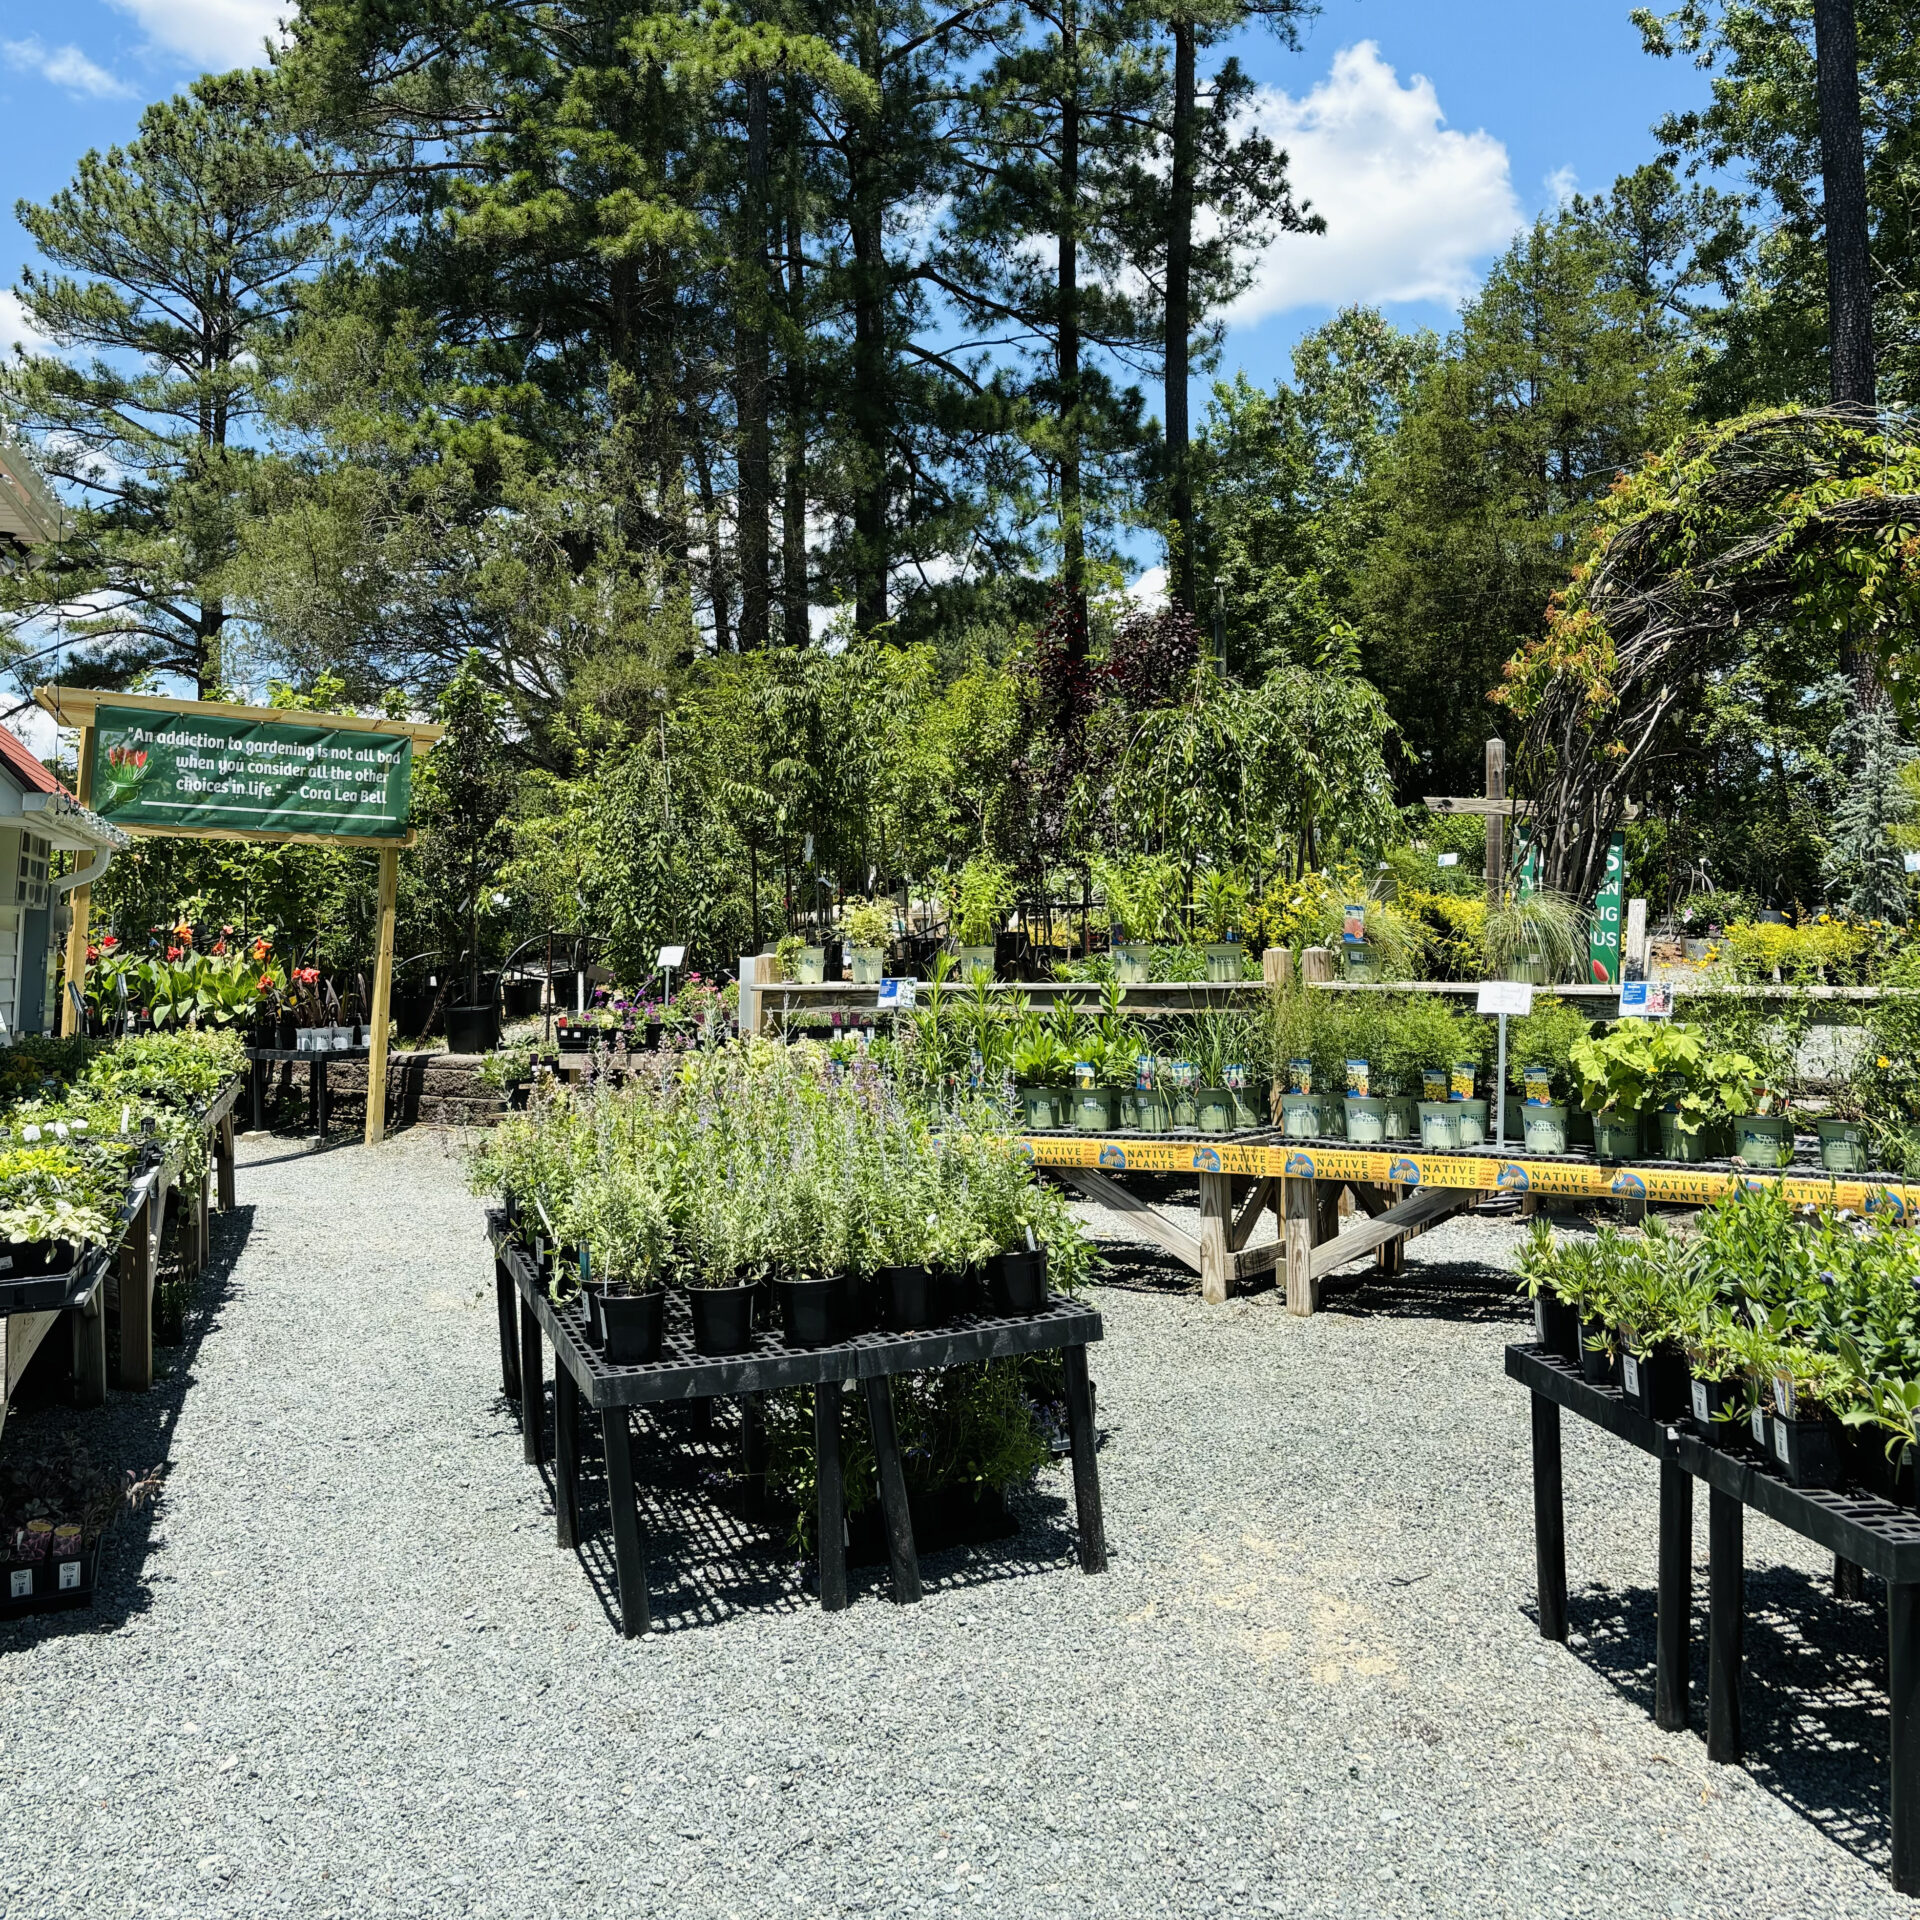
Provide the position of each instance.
(342, 1670)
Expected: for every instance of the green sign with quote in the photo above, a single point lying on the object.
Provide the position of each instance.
(216, 774)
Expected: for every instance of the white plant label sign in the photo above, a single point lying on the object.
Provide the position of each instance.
(1506, 996)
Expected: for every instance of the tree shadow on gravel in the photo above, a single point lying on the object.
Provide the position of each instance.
(130, 1439)
(1466, 1291)
(1813, 1699)
(715, 1550)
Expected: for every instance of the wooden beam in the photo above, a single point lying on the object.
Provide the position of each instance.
(1249, 1215)
(1417, 1212)
(74, 707)
(1109, 1193)
(1297, 1211)
(1216, 1227)
(380, 1015)
(79, 907)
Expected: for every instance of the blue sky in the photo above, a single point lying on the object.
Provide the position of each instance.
(1427, 132)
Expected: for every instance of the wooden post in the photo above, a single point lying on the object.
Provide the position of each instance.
(1296, 1218)
(1316, 963)
(382, 997)
(1496, 825)
(1276, 966)
(81, 905)
(1216, 1227)
(89, 1350)
(223, 1160)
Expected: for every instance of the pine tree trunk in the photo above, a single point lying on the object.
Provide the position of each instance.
(867, 402)
(793, 512)
(1180, 187)
(1073, 552)
(755, 503)
(1843, 171)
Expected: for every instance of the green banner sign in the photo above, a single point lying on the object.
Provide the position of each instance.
(222, 775)
(1603, 936)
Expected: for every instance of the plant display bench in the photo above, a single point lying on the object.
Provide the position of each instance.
(262, 1061)
(585, 1386)
(1858, 1528)
(1404, 1192)
(122, 1275)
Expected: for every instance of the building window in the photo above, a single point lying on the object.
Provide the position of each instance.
(31, 886)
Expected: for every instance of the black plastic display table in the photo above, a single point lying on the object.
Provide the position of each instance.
(318, 1102)
(1858, 1527)
(583, 1380)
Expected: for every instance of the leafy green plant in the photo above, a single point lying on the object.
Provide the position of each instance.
(869, 923)
(1140, 891)
(1546, 1038)
(1533, 937)
(977, 900)
(1221, 900)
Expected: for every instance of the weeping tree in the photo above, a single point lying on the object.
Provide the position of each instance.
(1808, 519)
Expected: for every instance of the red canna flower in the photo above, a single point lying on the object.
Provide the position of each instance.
(219, 946)
(266, 983)
(109, 940)
(173, 953)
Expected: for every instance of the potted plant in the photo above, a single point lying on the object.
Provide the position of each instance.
(1708, 1090)
(1137, 891)
(1533, 937)
(1540, 1069)
(1040, 1066)
(1223, 909)
(617, 1219)
(1618, 1075)
(869, 926)
(1556, 1321)
(1845, 1140)
(977, 899)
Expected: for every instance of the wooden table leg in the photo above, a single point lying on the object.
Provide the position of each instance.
(322, 1098)
(504, 1295)
(136, 1298)
(629, 1540)
(1085, 1441)
(532, 1411)
(566, 1456)
(1903, 1714)
(1549, 1521)
(1673, 1646)
(257, 1091)
(1297, 1211)
(90, 1351)
(1216, 1229)
(202, 1226)
(832, 1518)
(901, 1558)
(1726, 1606)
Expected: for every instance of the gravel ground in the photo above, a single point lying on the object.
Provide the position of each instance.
(342, 1670)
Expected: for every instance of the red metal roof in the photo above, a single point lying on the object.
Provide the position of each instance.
(24, 764)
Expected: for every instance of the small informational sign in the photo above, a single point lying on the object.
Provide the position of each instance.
(1448, 860)
(1913, 861)
(1506, 996)
(1646, 1000)
(671, 956)
(898, 996)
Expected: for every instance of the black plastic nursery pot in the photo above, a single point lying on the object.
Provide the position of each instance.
(632, 1324)
(722, 1318)
(1598, 1367)
(1655, 1380)
(957, 1291)
(1809, 1450)
(522, 998)
(1556, 1326)
(1017, 1282)
(857, 1305)
(473, 1029)
(906, 1298)
(942, 1517)
(591, 1295)
(1866, 1461)
(810, 1310)
(35, 1274)
(1718, 1408)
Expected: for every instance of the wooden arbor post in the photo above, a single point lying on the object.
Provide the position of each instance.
(382, 997)
(81, 907)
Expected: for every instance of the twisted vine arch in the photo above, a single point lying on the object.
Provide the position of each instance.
(1804, 516)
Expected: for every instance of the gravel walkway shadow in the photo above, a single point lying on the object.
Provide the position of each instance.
(343, 1670)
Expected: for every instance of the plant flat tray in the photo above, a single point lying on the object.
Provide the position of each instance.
(308, 1053)
(54, 1292)
(683, 1374)
(1560, 1381)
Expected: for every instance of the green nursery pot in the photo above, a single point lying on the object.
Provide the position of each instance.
(1093, 1109)
(1616, 1136)
(869, 965)
(1402, 1121)
(1685, 1147)
(1472, 1122)
(1439, 1125)
(1036, 1109)
(1150, 1113)
(1223, 962)
(1245, 1112)
(969, 958)
(1302, 1116)
(1366, 1120)
(1843, 1146)
(811, 968)
(1545, 1127)
(1216, 1109)
(1516, 1131)
(1186, 1108)
(1131, 966)
(1763, 1139)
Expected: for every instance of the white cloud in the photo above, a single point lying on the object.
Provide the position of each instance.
(1148, 594)
(1413, 208)
(1561, 185)
(217, 33)
(65, 66)
(14, 329)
